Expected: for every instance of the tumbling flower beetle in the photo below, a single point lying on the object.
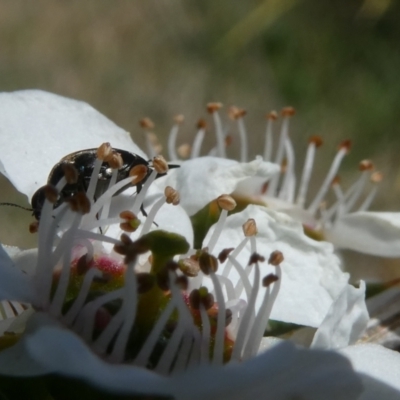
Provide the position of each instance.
(84, 161)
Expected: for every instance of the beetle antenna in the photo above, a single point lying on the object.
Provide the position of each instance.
(16, 205)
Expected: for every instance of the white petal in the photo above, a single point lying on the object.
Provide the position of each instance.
(376, 233)
(203, 179)
(37, 129)
(379, 369)
(14, 284)
(60, 351)
(311, 276)
(345, 322)
(283, 372)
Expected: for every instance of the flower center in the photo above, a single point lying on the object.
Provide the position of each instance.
(151, 302)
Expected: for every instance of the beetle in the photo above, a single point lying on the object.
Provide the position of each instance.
(83, 161)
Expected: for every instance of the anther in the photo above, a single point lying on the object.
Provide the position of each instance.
(160, 164)
(104, 152)
(366, 165)
(34, 227)
(116, 161)
(70, 173)
(226, 202)
(223, 255)
(138, 173)
(255, 258)
(51, 193)
(208, 263)
(336, 180)
(146, 123)
(79, 203)
(269, 279)
(189, 266)
(178, 119)
(145, 282)
(376, 177)
(213, 107)
(345, 145)
(184, 150)
(172, 196)
(272, 116)
(275, 258)
(201, 124)
(131, 221)
(316, 140)
(250, 227)
(288, 112)
(236, 112)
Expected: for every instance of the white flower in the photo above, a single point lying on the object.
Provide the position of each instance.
(346, 222)
(84, 312)
(82, 332)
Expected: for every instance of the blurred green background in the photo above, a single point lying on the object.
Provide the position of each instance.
(337, 62)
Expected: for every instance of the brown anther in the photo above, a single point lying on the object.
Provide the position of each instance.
(125, 239)
(70, 173)
(208, 301)
(123, 247)
(130, 226)
(51, 193)
(345, 145)
(213, 107)
(208, 263)
(223, 255)
(267, 280)
(34, 227)
(316, 140)
(201, 124)
(115, 161)
(256, 258)
(235, 112)
(376, 177)
(195, 299)
(228, 140)
(182, 282)
(131, 223)
(288, 112)
(275, 258)
(336, 180)
(104, 152)
(366, 165)
(226, 202)
(189, 266)
(146, 123)
(272, 116)
(145, 282)
(79, 203)
(184, 150)
(250, 227)
(172, 196)
(178, 119)
(160, 164)
(138, 173)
